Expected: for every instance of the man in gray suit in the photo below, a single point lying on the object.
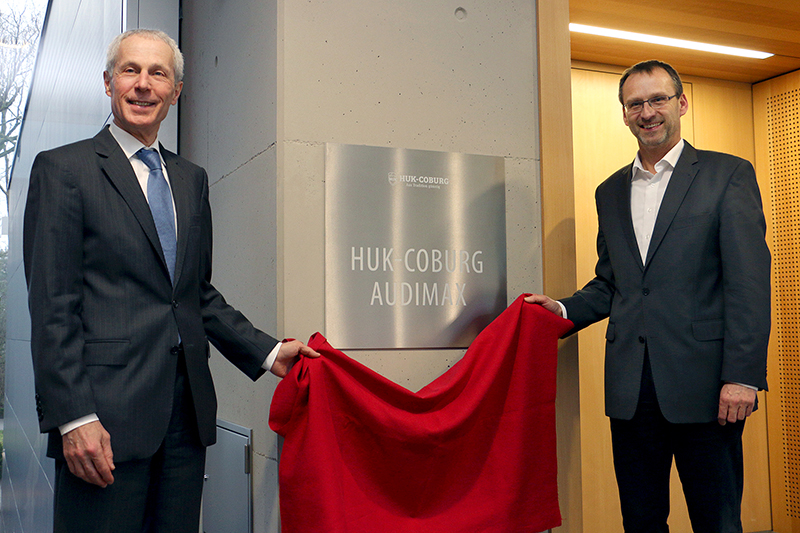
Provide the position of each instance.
(117, 251)
(683, 273)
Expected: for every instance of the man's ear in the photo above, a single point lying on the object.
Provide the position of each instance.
(178, 89)
(683, 104)
(107, 82)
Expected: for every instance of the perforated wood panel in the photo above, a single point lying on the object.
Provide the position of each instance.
(783, 126)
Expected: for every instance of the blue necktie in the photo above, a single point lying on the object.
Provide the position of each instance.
(160, 200)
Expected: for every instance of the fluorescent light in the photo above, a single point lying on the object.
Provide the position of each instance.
(667, 41)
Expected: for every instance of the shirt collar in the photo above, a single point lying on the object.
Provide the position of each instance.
(671, 159)
(130, 144)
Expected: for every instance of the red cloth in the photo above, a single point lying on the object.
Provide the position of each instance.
(474, 451)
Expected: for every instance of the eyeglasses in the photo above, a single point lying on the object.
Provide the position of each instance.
(656, 102)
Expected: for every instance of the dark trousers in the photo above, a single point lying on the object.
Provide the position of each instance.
(160, 494)
(709, 462)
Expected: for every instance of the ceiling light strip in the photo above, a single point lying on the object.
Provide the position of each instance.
(667, 41)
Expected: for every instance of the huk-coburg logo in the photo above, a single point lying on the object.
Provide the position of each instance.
(424, 182)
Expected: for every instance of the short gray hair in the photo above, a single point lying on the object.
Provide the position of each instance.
(112, 53)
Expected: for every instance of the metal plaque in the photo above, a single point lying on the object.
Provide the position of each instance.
(415, 246)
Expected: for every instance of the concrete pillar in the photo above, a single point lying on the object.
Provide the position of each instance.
(268, 83)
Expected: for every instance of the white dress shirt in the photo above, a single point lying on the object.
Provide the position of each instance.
(647, 192)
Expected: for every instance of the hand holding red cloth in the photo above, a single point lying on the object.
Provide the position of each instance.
(474, 451)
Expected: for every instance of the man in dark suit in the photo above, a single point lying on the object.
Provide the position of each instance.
(683, 273)
(117, 250)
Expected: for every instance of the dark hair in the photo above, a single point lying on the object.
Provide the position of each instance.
(649, 66)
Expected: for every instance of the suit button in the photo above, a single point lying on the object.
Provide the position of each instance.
(175, 350)
(641, 340)
(175, 304)
(645, 291)
(39, 410)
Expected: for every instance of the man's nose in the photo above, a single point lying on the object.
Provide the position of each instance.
(647, 110)
(143, 81)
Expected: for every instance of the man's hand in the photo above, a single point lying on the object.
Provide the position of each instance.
(290, 352)
(87, 450)
(545, 301)
(735, 403)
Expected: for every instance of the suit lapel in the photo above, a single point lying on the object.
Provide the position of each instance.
(622, 192)
(682, 178)
(119, 172)
(180, 194)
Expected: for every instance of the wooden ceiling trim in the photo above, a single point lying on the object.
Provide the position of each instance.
(765, 25)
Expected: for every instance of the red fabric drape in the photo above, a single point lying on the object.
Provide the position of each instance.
(474, 451)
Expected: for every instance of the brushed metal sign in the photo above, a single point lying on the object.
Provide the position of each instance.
(415, 247)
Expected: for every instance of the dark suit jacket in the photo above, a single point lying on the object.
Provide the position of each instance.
(105, 319)
(701, 300)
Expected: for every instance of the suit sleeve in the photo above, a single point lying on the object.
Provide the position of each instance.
(53, 256)
(227, 329)
(746, 263)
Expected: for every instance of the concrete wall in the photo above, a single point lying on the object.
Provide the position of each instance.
(228, 125)
(269, 83)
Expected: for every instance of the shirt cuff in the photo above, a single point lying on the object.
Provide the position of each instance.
(75, 424)
(270, 360)
(744, 385)
(563, 309)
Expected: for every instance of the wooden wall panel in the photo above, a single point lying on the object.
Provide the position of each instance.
(602, 145)
(558, 239)
(776, 106)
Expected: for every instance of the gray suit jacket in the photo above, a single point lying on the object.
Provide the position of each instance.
(105, 318)
(701, 300)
